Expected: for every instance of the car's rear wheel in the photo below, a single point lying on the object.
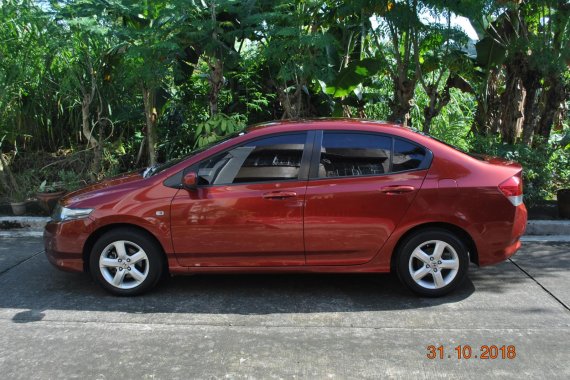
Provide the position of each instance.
(126, 262)
(432, 262)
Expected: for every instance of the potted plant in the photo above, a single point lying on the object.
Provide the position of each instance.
(20, 193)
(20, 196)
(48, 195)
(18, 202)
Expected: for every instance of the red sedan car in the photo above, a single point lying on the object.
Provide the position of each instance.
(307, 196)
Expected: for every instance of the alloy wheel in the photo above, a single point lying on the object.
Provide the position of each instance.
(124, 264)
(433, 264)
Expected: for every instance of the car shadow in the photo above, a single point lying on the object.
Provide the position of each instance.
(36, 286)
(46, 288)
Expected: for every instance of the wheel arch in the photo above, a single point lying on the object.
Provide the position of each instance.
(95, 235)
(460, 232)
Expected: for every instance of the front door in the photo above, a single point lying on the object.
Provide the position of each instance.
(247, 209)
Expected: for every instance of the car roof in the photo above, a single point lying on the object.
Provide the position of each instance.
(338, 124)
(318, 123)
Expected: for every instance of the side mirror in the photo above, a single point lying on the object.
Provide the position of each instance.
(190, 181)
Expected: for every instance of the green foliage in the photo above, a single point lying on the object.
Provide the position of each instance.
(453, 124)
(559, 167)
(351, 76)
(490, 53)
(27, 187)
(277, 59)
(56, 180)
(252, 98)
(69, 180)
(545, 168)
(216, 128)
(46, 187)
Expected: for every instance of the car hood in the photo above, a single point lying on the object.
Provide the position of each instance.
(105, 187)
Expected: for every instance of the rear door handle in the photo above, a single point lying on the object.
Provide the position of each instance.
(397, 189)
(280, 195)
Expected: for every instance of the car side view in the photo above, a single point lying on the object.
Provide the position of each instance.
(332, 195)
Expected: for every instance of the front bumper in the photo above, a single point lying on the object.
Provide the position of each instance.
(64, 242)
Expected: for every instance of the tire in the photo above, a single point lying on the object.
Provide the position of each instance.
(126, 262)
(432, 262)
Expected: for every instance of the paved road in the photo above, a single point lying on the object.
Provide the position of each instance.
(60, 325)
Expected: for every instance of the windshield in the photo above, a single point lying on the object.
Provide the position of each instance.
(153, 170)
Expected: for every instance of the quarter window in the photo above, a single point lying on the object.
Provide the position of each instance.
(276, 158)
(407, 156)
(354, 154)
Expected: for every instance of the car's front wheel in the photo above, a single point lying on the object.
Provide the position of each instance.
(126, 262)
(432, 262)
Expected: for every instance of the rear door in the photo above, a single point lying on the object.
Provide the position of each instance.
(360, 187)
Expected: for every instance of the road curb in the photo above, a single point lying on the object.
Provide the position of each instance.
(548, 227)
(546, 239)
(22, 226)
(20, 233)
(8, 223)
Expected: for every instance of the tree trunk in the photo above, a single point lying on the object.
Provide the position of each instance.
(3, 182)
(405, 39)
(141, 151)
(430, 110)
(216, 80)
(555, 95)
(88, 133)
(98, 150)
(438, 99)
(291, 103)
(531, 83)
(86, 125)
(285, 103)
(151, 118)
(487, 115)
(559, 116)
(512, 100)
(10, 183)
(402, 103)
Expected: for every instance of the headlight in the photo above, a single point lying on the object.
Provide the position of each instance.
(63, 213)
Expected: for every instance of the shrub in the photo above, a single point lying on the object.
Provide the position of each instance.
(546, 167)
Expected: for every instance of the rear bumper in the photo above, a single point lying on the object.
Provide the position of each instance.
(64, 243)
(501, 255)
(496, 250)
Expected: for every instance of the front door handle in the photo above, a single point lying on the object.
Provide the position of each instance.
(397, 189)
(280, 195)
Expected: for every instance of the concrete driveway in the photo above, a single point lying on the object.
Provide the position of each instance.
(60, 325)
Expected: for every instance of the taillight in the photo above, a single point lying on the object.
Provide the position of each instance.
(512, 188)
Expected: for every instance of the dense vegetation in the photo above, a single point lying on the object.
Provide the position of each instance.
(91, 88)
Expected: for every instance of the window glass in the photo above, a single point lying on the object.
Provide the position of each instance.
(354, 154)
(276, 158)
(160, 168)
(407, 156)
